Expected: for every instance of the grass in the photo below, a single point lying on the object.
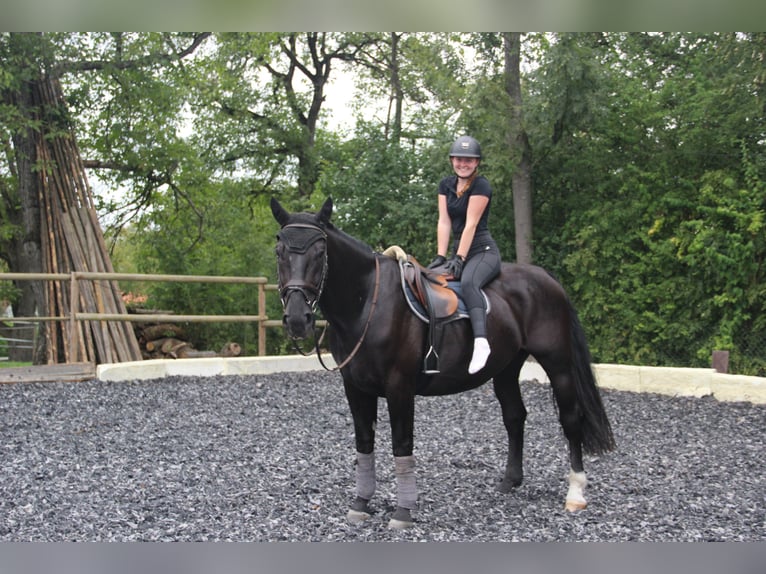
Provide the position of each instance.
(7, 364)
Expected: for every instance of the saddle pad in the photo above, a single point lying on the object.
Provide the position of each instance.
(422, 313)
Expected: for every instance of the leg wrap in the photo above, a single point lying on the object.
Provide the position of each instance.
(365, 475)
(406, 488)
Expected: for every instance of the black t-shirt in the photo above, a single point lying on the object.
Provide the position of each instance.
(457, 208)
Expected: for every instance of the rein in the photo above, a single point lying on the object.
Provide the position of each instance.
(347, 360)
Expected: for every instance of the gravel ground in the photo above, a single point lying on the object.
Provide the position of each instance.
(270, 458)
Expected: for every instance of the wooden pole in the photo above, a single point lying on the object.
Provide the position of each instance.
(721, 361)
(261, 326)
(74, 296)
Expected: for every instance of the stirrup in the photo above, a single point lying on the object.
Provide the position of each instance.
(431, 362)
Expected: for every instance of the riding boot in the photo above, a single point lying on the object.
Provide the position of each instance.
(481, 349)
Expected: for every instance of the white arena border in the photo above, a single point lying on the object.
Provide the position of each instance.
(685, 382)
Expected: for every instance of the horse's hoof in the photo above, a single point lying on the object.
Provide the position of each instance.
(401, 519)
(360, 510)
(357, 516)
(575, 505)
(507, 485)
(400, 524)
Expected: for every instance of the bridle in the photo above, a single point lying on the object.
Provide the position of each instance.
(302, 287)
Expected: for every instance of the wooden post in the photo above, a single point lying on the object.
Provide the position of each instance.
(261, 324)
(721, 361)
(74, 297)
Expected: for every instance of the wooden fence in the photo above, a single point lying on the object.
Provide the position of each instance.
(17, 339)
(76, 315)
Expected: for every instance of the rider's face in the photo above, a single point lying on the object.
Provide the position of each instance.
(464, 166)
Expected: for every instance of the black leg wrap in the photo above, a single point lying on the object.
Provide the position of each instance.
(402, 518)
(359, 511)
(361, 505)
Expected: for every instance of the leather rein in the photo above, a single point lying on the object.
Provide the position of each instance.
(284, 293)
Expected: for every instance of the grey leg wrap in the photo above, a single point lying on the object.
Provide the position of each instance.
(365, 475)
(406, 488)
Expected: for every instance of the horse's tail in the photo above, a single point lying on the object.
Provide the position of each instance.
(597, 435)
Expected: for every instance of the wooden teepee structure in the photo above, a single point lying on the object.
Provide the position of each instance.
(72, 240)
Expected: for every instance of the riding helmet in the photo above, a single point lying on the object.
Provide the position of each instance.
(465, 146)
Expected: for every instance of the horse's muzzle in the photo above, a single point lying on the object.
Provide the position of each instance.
(299, 325)
(298, 318)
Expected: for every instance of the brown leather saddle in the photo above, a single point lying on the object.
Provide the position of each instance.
(430, 288)
(440, 302)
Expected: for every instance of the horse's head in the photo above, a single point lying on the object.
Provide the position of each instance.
(301, 265)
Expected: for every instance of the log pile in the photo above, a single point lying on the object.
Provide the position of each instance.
(169, 341)
(72, 240)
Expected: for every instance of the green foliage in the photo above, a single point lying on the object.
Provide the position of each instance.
(385, 194)
(650, 201)
(8, 291)
(233, 237)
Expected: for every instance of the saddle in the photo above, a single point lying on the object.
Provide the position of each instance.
(431, 290)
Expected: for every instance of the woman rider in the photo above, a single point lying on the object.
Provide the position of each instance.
(464, 202)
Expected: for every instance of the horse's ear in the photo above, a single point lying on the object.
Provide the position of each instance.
(280, 214)
(324, 214)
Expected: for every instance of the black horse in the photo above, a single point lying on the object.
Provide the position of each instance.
(379, 345)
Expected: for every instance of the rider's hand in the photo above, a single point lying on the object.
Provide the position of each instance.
(455, 266)
(437, 262)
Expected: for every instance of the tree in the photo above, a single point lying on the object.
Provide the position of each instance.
(267, 93)
(494, 99)
(130, 95)
(420, 73)
(385, 177)
(34, 61)
(648, 189)
(520, 150)
(20, 247)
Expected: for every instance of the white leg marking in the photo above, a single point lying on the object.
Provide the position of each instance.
(575, 494)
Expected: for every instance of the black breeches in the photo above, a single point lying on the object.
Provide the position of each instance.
(479, 269)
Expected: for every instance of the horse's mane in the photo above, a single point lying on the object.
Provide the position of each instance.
(357, 243)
